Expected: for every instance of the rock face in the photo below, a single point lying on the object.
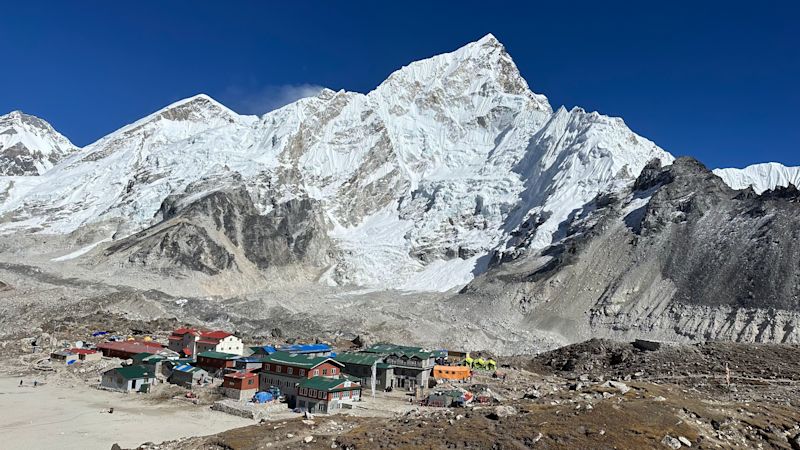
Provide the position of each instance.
(679, 255)
(222, 230)
(29, 145)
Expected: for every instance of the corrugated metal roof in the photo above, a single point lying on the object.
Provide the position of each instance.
(82, 351)
(131, 372)
(131, 346)
(240, 375)
(305, 348)
(187, 368)
(218, 334)
(298, 360)
(217, 355)
(363, 359)
(328, 384)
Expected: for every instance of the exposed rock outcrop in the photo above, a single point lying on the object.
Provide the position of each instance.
(221, 230)
(679, 255)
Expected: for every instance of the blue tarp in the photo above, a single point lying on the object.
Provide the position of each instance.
(99, 333)
(268, 349)
(263, 397)
(305, 348)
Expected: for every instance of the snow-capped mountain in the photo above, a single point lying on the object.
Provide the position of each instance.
(447, 162)
(29, 145)
(760, 177)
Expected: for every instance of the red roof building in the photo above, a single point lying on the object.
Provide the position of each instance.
(85, 354)
(82, 351)
(191, 341)
(126, 349)
(240, 385)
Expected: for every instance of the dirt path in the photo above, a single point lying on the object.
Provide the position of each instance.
(64, 417)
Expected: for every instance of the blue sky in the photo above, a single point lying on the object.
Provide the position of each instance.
(718, 81)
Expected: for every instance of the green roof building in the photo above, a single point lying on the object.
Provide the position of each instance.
(135, 378)
(322, 395)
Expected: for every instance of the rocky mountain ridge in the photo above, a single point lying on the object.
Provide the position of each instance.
(679, 255)
(449, 166)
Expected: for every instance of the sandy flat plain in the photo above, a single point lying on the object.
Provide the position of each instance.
(76, 417)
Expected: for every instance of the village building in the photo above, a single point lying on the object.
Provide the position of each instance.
(445, 399)
(85, 354)
(240, 385)
(188, 376)
(219, 341)
(307, 349)
(411, 366)
(321, 395)
(261, 350)
(191, 341)
(452, 373)
(216, 363)
(64, 357)
(360, 364)
(285, 370)
(128, 379)
(249, 363)
(456, 356)
(411, 369)
(126, 349)
(152, 362)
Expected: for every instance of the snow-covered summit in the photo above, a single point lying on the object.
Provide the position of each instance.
(29, 145)
(450, 159)
(760, 177)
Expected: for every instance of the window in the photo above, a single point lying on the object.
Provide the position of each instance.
(324, 372)
(321, 395)
(277, 368)
(250, 381)
(266, 366)
(316, 372)
(289, 370)
(302, 372)
(333, 371)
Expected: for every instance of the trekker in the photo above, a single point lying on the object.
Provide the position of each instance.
(35, 383)
(20, 383)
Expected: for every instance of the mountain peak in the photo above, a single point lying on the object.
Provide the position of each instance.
(481, 65)
(488, 39)
(29, 145)
(197, 102)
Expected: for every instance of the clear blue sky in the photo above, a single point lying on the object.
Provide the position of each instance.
(718, 81)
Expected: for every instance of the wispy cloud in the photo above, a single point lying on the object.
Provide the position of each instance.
(267, 98)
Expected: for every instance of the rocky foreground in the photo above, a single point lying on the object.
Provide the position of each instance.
(597, 394)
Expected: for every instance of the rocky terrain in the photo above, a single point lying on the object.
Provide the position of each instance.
(679, 255)
(597, 394)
